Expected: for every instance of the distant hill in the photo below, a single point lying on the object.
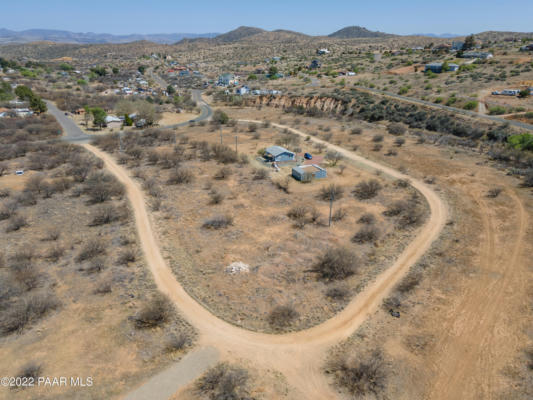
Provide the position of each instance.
(39, 35)
(240, 33)
(352, 32)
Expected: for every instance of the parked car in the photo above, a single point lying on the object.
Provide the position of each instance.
(308, 156)
(495, 93)
(19, 172)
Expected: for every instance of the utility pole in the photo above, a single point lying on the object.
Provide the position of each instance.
(331, 198)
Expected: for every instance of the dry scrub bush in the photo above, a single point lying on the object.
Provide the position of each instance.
(361, 376)
(180, 176)
(337, 293)
(126, 256)
(218, 222)
(224, 382)
(336, 264)
(224, 154)
(223, 173)
(396, 129)
(494, 192)
(331, 190)
(91, 249)
(106, 214)
(260, 174)
(15, 223)
(177, 341)
(282, 316)
(366, 234)
(101, 187)
(26, 311)
(155, 312)
(215, 197)
(282, 184)
(367, 218)
(367, 189)
(339, 215)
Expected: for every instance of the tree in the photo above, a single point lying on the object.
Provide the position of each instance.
(147, 111)
(125, 107)
(445, 66)
(470, 42)
(252, 77)
(115, 70)
(38, 105)
(220, 117)
(100, 71)
(5, 91)
(24, 92)
(171, 90)
(273, 70)
(524, 93)
(99, 116)
(127, 120)
(141, 69)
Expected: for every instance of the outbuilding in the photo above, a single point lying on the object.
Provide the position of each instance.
(305, 173)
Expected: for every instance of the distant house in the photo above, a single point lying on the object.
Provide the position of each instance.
(23, 112)
(527, 47)
(184, 73)
(484, 55)
(278, 153)
(112, 121)
(323, 51)
(243, 90)
(457, 45)
(314, 64)
(306, 173)
(227, 79)
(437, 67)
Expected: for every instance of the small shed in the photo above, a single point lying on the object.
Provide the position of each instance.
(307, 172)
(278, 153)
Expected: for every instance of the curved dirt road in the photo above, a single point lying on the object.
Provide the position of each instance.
(298, 355)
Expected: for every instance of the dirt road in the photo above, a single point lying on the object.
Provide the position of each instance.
(299, 355)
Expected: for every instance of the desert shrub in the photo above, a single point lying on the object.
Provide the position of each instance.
(96, 265)
(332, 189)
(361, 376)
(356, 131)
(15, 223)
(30, 370)
(260, 174)
(223, 173)
(26, 199)
(224, 382)
(365, 234)
(339, 214)
(91, 249)
(494, 192)
(334, 157)
(411, 217)
(25, 311)
(155, 312)
(4, 192)
(396, 208)
(377, 138)
(282, 316)
(103, 288)
(224, 154)
(528, 179)
(54, 253)
(401, 183)
(106, 214)
(52, 234)
(297, 212)
(336, 263)
(100, 187)
(282, 184)
(125, 257)
(367, 189)
(377, 147)
(218, 222)
(396, 129)
(408, 283)
(215, 197)
(399, 141)
(25, 274)
(177, 341)
(338, 293)
(8, 209)
(180, 176)
(252, 127)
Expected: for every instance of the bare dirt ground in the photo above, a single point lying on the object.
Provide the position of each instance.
(171, 118)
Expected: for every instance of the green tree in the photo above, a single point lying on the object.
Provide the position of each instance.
(252, 77)
(24, 92)
(127, 120)
(470, 42)
(220, 117)
(38, 105)
(141, 69)
(66, 67)
(445, 66)
(273, 70)
(99, 71)
(171, 90)
(524, 93)
(6, 93)
(98, 116)
(115, 70)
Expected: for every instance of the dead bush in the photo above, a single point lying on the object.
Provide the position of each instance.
(26, 199)
(54, 253)
(180, 176)
(223, 173)
(339, 214)
(26, 311)
(8, 209)
(15, 223)
(218, 222)
(215, 197)
(367, 189)
(399, 142)
(361, 376)
(528, 179)
(282, 184)
(224, 154)
(103, 288)
(356, 131)
(377, 138)
(126, 256)
(106, 214)
(396, 129)
(331, 191)
(52, 234)
(336, 263)
(30, 370)
(366, 234)
(396, 208)
(155, 312)
(282, 316)
(408, 283)
(177, 342)
(367, 218)
(100, 187)
(91, 249)
(338, 293)
(4, 192)
(297, 212)
(260, 174)
(96, 265)
(494, 192)
(411, 217)
(224, 382)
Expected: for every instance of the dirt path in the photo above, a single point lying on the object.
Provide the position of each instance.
(299, 355)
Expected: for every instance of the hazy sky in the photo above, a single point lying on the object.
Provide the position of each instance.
(309, 16)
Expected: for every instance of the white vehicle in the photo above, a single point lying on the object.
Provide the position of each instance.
(19, 172)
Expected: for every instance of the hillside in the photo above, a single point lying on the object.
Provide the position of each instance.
(238, 34)
(352, 32)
